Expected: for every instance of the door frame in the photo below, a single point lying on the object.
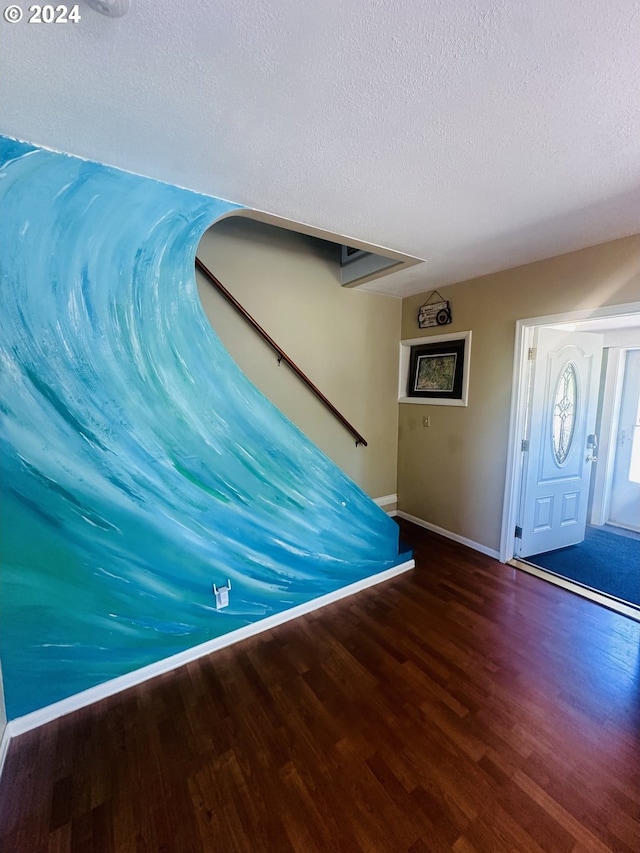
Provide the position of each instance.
(608, 430)
(622, 361)
(525, 330)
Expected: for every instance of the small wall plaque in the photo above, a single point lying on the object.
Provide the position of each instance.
(435, 312)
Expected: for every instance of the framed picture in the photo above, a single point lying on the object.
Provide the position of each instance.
(435, 370)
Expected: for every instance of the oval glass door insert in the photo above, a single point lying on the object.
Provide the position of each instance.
(564, 413)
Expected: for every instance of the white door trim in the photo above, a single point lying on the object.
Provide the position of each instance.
(519, 389)
(608, 431)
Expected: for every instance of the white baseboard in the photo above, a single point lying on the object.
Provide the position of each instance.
(386, 500)
(449, 535)
(116, 685)
(4, 745)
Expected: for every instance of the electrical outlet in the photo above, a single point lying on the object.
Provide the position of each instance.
(426, 421)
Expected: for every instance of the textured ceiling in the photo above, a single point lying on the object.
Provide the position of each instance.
(474, 134)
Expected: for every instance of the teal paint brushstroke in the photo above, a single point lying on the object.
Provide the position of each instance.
(139, 465)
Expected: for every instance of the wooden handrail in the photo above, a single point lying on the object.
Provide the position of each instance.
(282, 356)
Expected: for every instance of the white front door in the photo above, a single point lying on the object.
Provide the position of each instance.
(560, 445)
(625, 489)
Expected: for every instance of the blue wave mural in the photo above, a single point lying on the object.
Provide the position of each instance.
(139, 465)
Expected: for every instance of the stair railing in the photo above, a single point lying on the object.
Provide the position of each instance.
(282, 356)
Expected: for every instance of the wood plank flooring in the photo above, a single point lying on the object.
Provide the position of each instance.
(464, 706)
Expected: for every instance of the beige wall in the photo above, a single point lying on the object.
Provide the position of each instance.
(344, 340)
(452, 474)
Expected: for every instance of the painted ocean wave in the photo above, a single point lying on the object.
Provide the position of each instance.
(139, 465)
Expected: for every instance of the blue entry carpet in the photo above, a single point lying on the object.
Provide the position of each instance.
(608, 562)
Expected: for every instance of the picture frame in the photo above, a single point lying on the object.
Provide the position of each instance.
(435, 370)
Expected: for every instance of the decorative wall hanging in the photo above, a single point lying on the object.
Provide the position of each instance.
(434, 370)
(435, 311)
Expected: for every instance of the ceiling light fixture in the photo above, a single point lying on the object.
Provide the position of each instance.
(110, 8)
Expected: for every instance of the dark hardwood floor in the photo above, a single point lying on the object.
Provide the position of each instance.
(463, 706)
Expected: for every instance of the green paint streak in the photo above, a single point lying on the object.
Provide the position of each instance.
(192, 478)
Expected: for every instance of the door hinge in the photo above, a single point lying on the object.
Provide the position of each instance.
(532, 354)
(525, 445)
(518, 532)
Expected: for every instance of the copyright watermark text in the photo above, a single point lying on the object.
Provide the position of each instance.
(60, 14)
